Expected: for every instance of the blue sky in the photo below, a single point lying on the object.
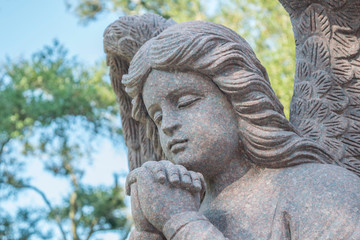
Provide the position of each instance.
(25, 27)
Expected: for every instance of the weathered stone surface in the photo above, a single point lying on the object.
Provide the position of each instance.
(195, 94)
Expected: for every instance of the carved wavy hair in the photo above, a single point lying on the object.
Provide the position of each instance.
(269, 140)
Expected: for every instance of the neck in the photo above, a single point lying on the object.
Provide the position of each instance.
(235, 170)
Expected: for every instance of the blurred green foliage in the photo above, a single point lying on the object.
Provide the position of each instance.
(53, 109)
(48, 89)
(263, 23)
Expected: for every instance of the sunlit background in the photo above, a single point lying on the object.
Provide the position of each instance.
(26, 27)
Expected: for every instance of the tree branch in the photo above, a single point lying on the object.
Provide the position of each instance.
(2, 147)
(48, 203)
(72, 214)
(73, 198)
(93, 223)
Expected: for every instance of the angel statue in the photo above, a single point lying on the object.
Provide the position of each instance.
(211, 153)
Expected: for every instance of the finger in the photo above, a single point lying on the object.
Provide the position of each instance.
(203, 184)
(196, 183)
(185, 177)
(172, 173)
(130, 179)
(156, 170)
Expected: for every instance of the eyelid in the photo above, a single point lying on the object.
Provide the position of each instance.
(156, 117)
(187, 100)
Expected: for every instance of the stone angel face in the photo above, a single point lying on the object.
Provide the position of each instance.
(196, 123)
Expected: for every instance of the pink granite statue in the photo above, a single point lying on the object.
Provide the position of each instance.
(195, 94)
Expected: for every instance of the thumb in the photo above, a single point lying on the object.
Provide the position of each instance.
(130, 179)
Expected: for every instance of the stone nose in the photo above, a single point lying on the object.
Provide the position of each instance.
(169, 124)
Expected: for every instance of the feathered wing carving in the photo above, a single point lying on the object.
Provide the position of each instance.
(326, 102)
(122, 39)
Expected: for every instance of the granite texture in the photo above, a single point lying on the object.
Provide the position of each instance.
(195, 94)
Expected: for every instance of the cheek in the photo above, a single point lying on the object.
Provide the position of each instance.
(214, 127)
(218, 135)
(163, 143)
(215, 116)
(220, 130)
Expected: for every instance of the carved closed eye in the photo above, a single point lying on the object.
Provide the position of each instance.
(157, 118)
(187, 100)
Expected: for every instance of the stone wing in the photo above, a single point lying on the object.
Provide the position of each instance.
(326, 102)
(122, 39)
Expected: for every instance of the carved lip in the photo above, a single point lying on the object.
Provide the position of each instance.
(177, 145)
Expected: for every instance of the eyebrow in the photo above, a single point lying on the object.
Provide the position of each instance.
(183, 90)
(174, 92)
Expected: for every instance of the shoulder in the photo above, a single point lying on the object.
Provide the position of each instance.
(320, 178)
(320, 196)
(319, 181)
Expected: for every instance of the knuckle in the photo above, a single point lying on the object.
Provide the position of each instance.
(186, 179)
(166, 162)
(149, 164)
(201, 176)
(194, 176)
(172, 172)
(160, 172)
(174, 178)
(165, 165)
(181, 168)
(187, 175)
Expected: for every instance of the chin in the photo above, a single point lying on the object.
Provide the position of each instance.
(185, 160)
(193, 164)
(182, 160)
